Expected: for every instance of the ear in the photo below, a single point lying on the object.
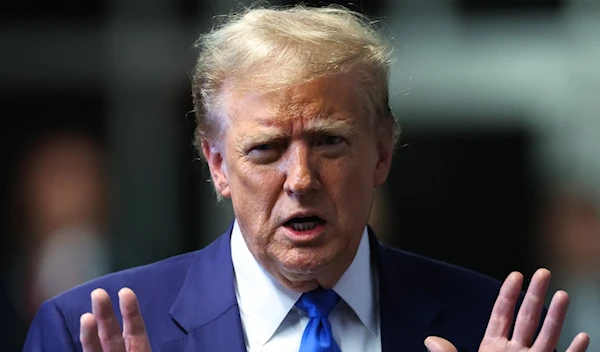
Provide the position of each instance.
(385, 150)
(216, 164)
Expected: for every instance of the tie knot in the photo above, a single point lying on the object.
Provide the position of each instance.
(318, 303)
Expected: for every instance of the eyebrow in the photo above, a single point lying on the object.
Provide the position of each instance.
(319, 125)
(347, 127)
(260, 138)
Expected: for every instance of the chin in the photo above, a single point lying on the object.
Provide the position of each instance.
(306, 262)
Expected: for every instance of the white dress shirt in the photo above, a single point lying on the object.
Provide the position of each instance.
(270, 320)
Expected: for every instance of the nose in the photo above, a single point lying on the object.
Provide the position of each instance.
(302, 177)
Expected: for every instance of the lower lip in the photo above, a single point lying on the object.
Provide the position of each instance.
(305, 236)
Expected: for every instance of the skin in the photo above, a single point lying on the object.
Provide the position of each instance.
(307, 149)
(310, 148)
(100, 330)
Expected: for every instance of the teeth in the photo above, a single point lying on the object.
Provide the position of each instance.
(304, 226)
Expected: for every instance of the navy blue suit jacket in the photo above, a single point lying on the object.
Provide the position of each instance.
(189, 303)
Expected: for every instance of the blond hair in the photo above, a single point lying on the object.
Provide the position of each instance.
(273, 48)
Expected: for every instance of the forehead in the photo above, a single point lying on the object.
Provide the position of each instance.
(325, 96)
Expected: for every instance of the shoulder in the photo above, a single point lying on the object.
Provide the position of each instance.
(463, 297)
(56, 324)
(158, 286)
(161, 279)
(158, 283)
(169, 272)
(442, 277)
(143, 278)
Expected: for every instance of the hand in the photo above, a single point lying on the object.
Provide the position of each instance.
(100, 330)
(496, 334)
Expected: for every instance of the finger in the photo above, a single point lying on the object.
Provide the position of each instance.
(550, 333)
(438, 344)
(134, 330)
(528, 318)
(580, 343)
(88, 333)
(504, 309)
(109, 330)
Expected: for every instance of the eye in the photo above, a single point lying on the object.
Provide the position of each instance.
(264, 153)
(262, 147)
(330, 140)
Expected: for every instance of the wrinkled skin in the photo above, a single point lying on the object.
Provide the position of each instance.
(308, 149)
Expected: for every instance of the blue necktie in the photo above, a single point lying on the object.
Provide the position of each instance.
(317, 335)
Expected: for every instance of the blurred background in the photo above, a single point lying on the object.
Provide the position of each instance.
(498, 169)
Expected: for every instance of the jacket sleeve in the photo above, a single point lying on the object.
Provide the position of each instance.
(49, 331)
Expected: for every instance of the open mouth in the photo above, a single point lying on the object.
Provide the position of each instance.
(304, 223)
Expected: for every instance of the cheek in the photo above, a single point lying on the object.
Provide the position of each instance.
(350, 185)
(353, 170)
(254, 191)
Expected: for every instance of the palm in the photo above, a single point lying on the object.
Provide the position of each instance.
(498, 329)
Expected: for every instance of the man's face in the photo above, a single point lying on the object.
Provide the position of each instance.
(300, 166)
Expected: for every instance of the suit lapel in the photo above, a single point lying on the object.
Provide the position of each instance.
(407, 309)
(206, 306)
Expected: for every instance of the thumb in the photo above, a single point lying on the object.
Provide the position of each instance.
(438, 344)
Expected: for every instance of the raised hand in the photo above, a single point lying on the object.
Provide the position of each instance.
(496, 335)
(100, 330)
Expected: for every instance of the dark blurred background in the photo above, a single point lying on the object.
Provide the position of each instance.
(498, 168)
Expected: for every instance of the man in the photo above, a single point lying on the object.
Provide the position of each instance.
(294, 123)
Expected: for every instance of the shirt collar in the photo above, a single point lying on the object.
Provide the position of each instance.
(352, 289)
(264, 302)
